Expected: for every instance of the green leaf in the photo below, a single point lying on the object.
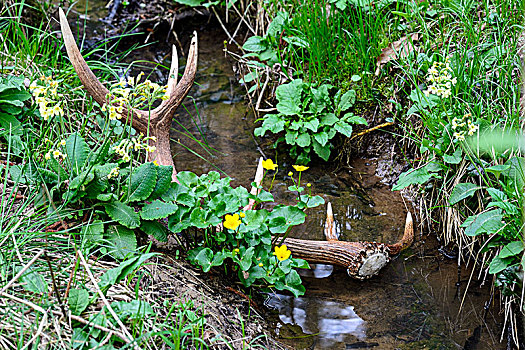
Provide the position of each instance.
(163, 181)
(455, 158)
(33, 281)
(297, 41)
(204, 258)
(291, 137)
(292, 216)
(344, 128)
(350, 118)
(123, 214)
(187, 178)
(487, 222)
(265, 196)
(94, 231)
(462, 191)
(312, 125)
(133, 310)
(155, 229)
(321, 138)
(289, 96)
(497, 265)
(255, 44)
(191, 3)
(123, 240)
(516, 171)
(500, 200)
(143, 181)
(292, 283)
(347, 100)
(322, 151)
(312, 201)
(14, 96)
(78, 301)
(320, 99)
(198, 218)
(498, 169)
(79, 338)
(272, 123)
(158, 210)
(413, 177)
(117, 274)
(329, 119)
(254, 219)
(276, 26)
(303, 140)
(82, 179)
(246, 260)
(77, 152)
(511, 249)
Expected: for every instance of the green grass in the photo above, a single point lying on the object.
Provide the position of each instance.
(41, 217)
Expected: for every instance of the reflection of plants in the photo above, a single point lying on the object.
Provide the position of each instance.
(310, 117)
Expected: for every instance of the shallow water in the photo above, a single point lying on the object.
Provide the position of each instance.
(413, 303)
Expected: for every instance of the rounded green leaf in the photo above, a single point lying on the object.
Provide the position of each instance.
(78, 300)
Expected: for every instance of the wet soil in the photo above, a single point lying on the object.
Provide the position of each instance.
(419, 301)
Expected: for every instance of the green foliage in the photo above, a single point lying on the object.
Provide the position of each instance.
(202, 202)
(12, 109)
(310, 118)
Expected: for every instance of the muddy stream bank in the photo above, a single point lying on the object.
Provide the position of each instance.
(414, 303)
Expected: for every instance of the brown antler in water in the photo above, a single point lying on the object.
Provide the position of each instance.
(362, 260)
(155, 123)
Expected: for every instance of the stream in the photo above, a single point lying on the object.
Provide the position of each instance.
(418, 301)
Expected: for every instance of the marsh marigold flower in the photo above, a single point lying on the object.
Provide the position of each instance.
(232, 221)
(268, 164)
(282, 253)
(300, 168)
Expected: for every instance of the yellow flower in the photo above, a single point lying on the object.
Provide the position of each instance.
(232, 221)
(308, 185)
(290, 174)
(268, 164)
(236, 250)
(261, 264)
(282, 253)
(155, 162)
(300, 167)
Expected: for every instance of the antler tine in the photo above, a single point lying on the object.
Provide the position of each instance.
(407, 239)
(174, 72)
(329, 226)
(165, 111)
(88, 79)
(259, 174)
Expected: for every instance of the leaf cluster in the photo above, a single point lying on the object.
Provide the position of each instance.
(310, 118)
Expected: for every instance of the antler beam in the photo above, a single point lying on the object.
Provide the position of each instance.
(155, 123)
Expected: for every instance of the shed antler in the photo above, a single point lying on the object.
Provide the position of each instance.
(153, 123)
(362, 260)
